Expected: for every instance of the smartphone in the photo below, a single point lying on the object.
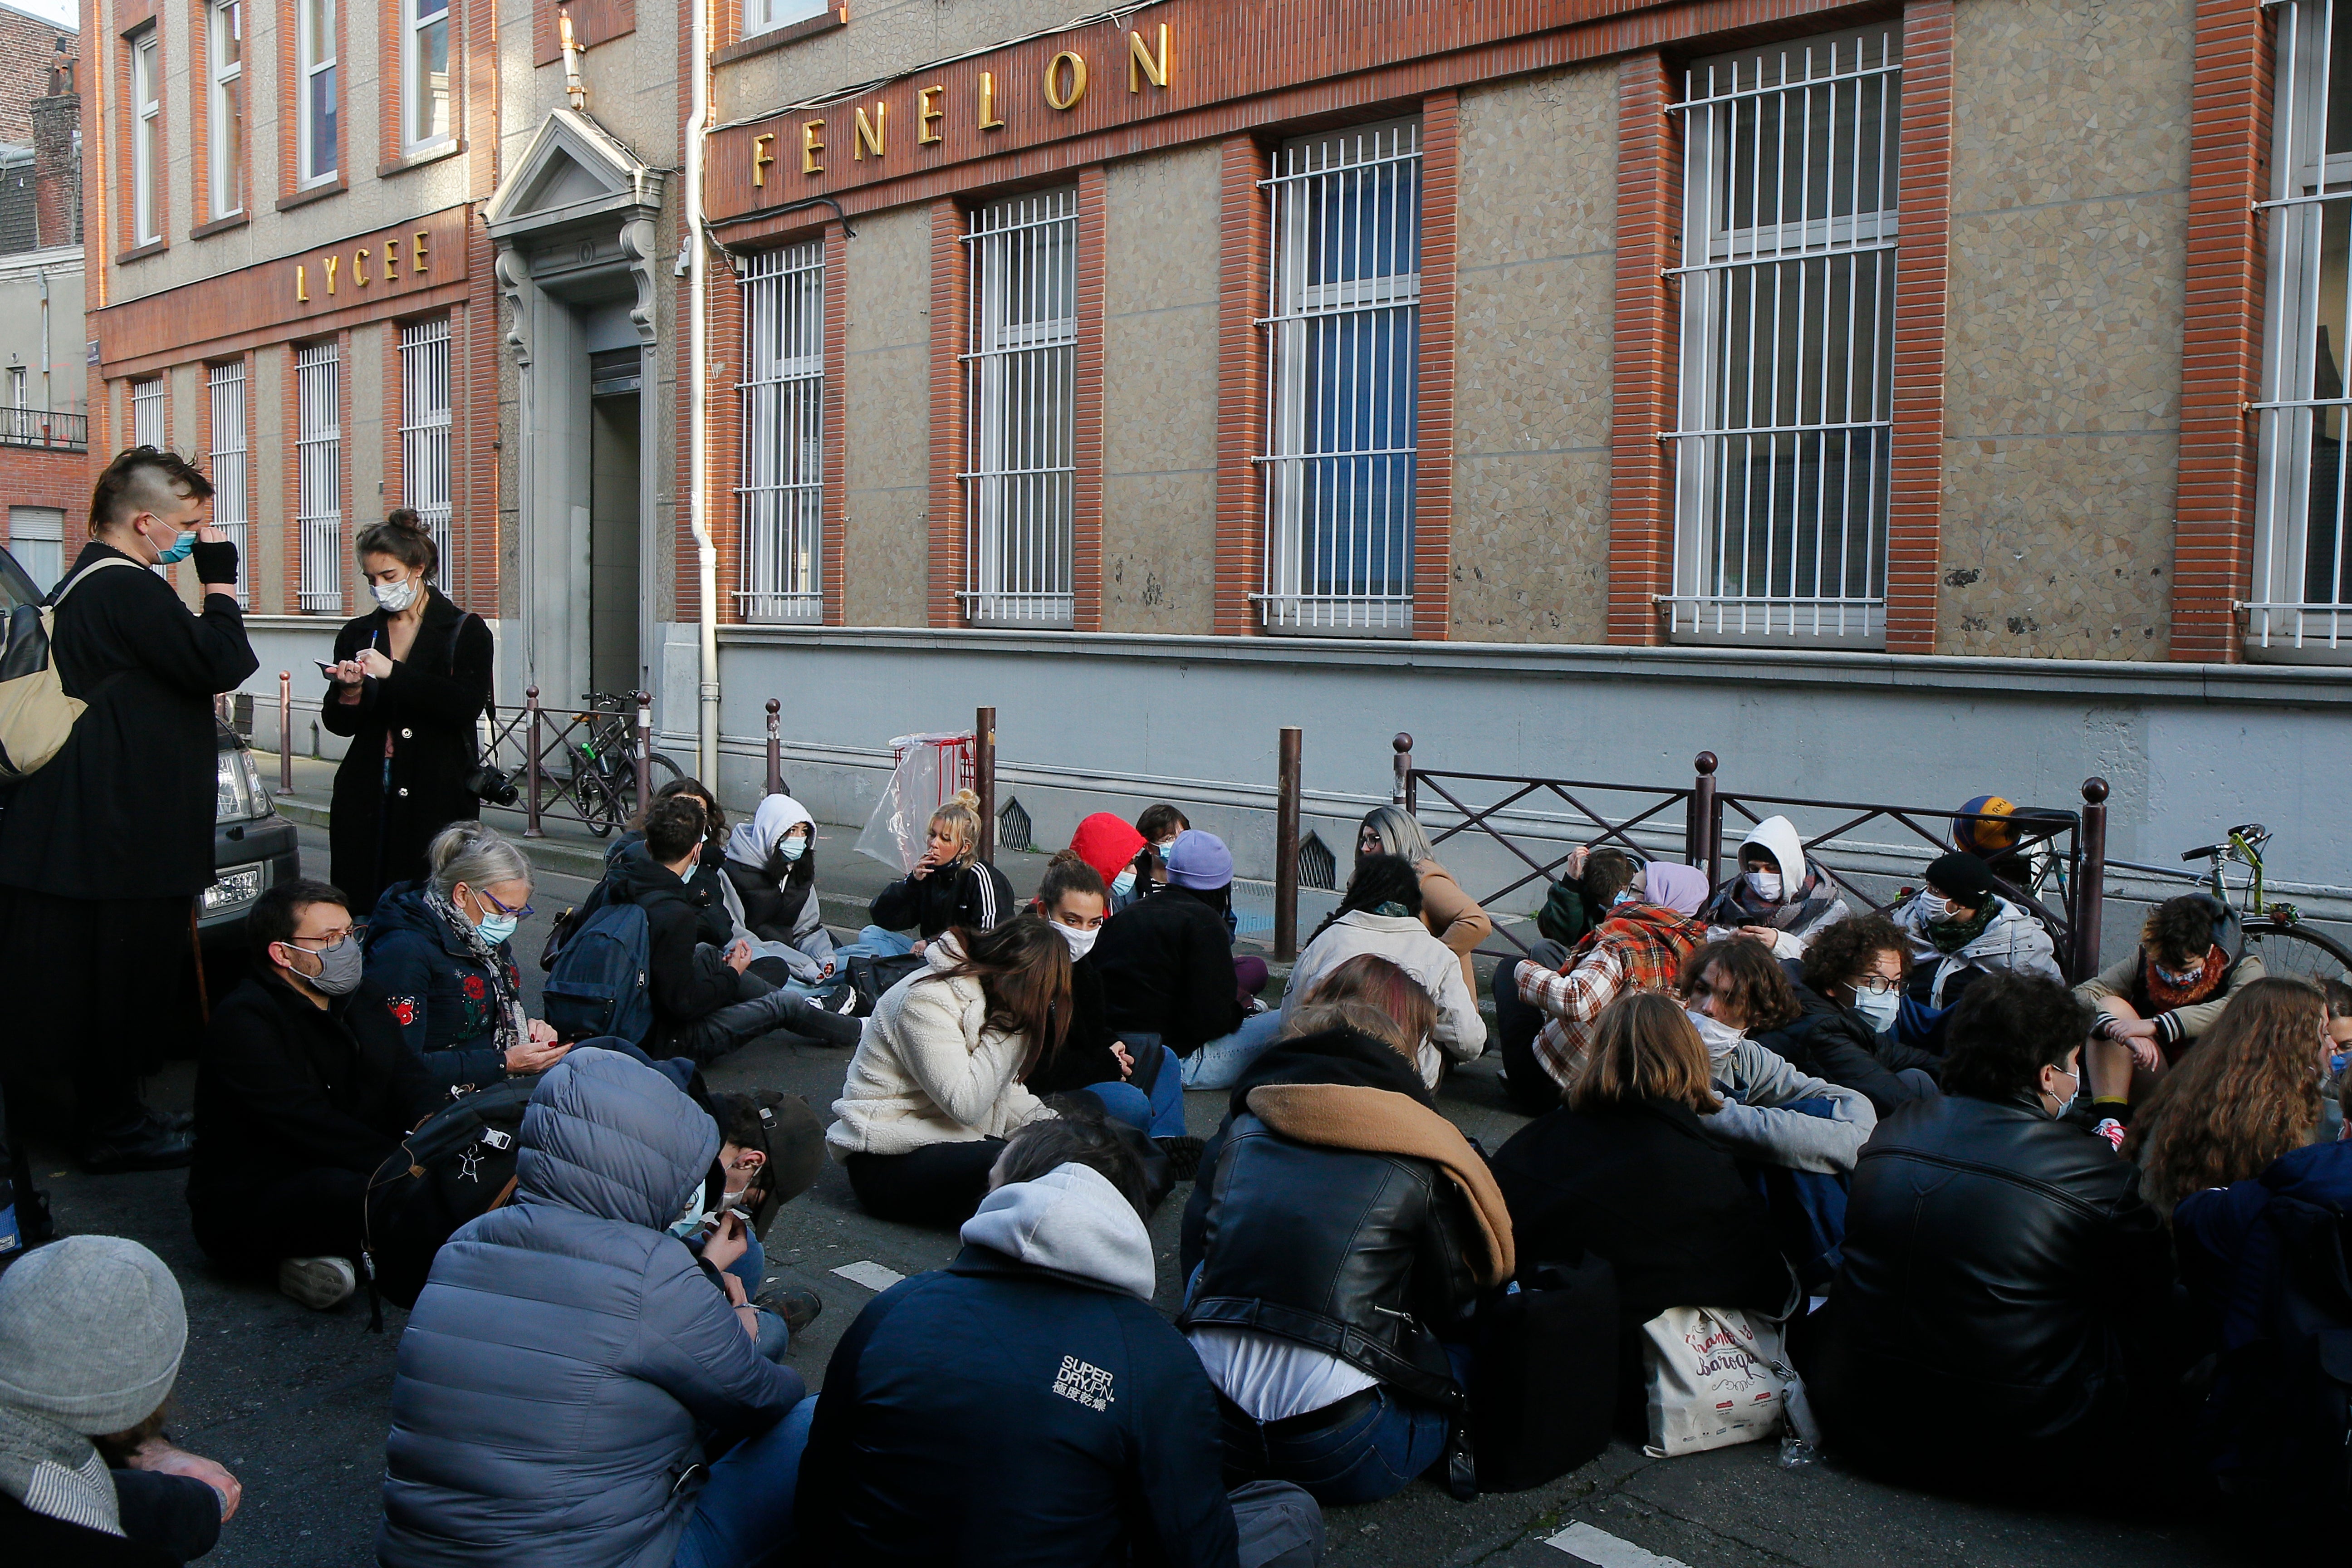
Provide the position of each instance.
(326, 666)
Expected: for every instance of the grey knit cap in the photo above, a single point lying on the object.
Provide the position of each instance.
(91, 1330)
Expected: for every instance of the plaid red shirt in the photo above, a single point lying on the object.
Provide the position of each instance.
(1640, 947)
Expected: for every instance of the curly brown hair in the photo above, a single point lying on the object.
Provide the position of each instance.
(1751, 990)
(2178, 930)
(2247, 1093)
(1843, 953)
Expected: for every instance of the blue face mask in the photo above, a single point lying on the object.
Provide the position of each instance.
(181, 548)
(496, 929)
(1124, 883)
(793, 848)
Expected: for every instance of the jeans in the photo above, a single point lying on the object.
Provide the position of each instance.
(751, 1270)
(1807, 1210)
(743, 1515)
(763, 1009)
(1369, 1456)
(1221, 1061)
(1517, 1024)
(874, 942)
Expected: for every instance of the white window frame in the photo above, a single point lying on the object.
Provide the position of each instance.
(2301, 607)
(1342, 424)
(767, 16)
(424, 430)
(224, 22)
(416, 81)
(226, 456)
(1021, 381)
(37, 538)
(318, 473)
(781, 499)
(316, 61)
(147, 411)
(1812, 571)
(20, 380)
(146, 132)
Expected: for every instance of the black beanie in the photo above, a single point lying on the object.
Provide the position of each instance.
(1963, 878)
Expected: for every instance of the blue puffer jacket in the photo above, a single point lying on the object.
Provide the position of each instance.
(446, 1003)
(552, 1375)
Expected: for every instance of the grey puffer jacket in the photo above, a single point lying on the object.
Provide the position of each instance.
(565, 1348)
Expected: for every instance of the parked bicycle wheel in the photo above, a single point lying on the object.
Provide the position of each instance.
(624, 782)
(2293, 948)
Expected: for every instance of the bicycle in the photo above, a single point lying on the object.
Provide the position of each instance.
(2275, 930)
(604, 761)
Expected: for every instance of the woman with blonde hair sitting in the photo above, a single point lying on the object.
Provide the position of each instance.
(950, 885)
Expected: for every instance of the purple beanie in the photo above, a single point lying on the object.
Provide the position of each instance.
(1200, 860)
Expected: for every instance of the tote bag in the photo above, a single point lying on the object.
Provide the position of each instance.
(1718, 1375)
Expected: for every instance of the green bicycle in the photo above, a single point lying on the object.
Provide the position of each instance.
(2277, 931)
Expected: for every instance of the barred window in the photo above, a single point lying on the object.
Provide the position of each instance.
(147, 413)
(319, 474)
(1020, 440)
(780, 498)
(1788, 341)
(225, 389)
(2301, 601)
(425, 433)
(1342, 339)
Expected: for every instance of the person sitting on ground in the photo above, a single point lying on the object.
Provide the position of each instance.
(707, 870)
(2154, 1005)
(1332, 1255)
(2000, 1269)
(1778, 898)
(439, 954)
(1961, 929)
(92, 1330)
(569, 1361)
(1626, 1170)
(1773, 1115)
(1074, 900)
(705, 1005)
(771, 870)
(1161, 825)
(1452, 915)
(1117, 852)
(1381, 914)
(1544, 1011)
(2248, 1095)
(936, 1086)
(1027, 1405)
(950, 886)
(771, 1148)
(304, 1088)
(1168, 968)
(1829, 1026)
(2339, 1054)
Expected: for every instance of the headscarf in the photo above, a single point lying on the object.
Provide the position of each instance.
(1108, 843)
(506, 990)
(1681, 888)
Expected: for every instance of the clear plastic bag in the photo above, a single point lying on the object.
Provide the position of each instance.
(929, 769)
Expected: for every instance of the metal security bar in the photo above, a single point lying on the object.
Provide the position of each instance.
(225, 390)
(147, 413)
(1021, 371)
(1342, 337)
(425, 433)
(1788, 341)
(781, 500)
(2302, 578)
(319, 474)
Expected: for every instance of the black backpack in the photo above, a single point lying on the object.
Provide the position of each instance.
(2277, 1426)
(459, 1164)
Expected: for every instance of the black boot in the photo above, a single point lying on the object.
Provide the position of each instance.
(804, 1017)
(142, 1144)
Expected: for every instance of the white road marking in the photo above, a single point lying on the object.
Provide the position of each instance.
(873, 1276)
(1603, 1550)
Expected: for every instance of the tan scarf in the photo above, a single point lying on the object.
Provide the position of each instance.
(1382, 1121)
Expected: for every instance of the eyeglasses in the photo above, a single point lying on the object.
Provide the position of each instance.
(485, 895)
(355, 932)
(1875, 985)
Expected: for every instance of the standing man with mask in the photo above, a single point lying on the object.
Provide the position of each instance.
(304, 1086)
(104, 850)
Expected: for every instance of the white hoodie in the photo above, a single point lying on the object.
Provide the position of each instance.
(931, 1068)
(1777, 838)
(1072, 1221)
(752, 844)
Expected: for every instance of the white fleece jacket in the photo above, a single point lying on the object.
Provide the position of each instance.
(930, 1070)
(1403, 940)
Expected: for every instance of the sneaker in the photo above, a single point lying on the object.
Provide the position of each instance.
(317, 1283)
(1183, 1155)
(145, 1145)
(798, 1309)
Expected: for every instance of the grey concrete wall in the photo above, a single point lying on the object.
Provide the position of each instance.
(886, 38)
(886, 421)
(20, 326)
(1160, 392)
(1535, 312)
(2069, 169)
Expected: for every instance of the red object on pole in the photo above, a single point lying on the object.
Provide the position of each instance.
(983, 777)
(1405, 793)
(285, 732)
(775, 747)
(2091, 881)
(1286, 844)
(530, 768)
(1703, 832)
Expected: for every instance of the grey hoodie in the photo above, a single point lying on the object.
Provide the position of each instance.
(1754, 1083)
(2012, 942)
(1072, 1221)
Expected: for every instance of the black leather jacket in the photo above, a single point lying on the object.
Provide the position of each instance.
(1359, 1255)
(1991, 1256)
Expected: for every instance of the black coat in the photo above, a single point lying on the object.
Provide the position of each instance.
(1085, 1056)
(440, 998)
(688, 974)
(285, 1086)
(427, 706)
(1167, 968)
(1991, 1256)
(977, 898)
(1642, 1184)
(1838, 1046)
(125, 811)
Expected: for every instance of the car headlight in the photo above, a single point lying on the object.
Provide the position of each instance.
(234, 890)
(238, 795)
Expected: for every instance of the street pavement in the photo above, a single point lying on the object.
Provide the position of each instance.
(297, 1403)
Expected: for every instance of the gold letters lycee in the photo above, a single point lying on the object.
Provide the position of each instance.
(390, 259)
(761, 158)
(331, 261)
(811, 145)
(988, 118)
(869, 135)
(359, 268)
(1077, 81)
(354, 267)
(927, 116)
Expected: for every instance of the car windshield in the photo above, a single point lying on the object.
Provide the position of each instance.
(15, 588)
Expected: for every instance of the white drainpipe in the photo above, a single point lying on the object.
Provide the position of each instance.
(706, 552)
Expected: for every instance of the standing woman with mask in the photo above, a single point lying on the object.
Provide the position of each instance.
(410, 678)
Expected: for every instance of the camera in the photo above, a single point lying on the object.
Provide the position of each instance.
(492, 786)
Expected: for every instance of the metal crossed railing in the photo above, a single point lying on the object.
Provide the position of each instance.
(590, 765)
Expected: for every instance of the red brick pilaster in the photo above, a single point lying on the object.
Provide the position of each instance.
(1922, 265)
(834, 516)
(1243, 279)
(2220, 352)
(1087, 416)
(723, 392)
(950, 310)
(1432, 488)
(1641, 402)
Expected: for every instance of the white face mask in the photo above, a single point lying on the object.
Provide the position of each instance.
(1715, 1032)
(395, 596)
(1879, 1007)
(1767, 884)
(1082, 943)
